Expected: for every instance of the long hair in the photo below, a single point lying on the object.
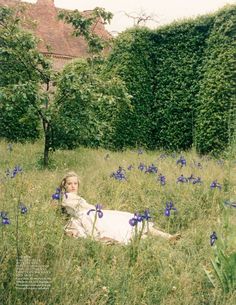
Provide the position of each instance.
(64, 179)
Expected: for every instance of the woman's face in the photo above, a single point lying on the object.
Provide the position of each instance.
(71, 185)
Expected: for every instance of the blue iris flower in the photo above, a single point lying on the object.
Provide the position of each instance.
(5, 221)
(57, 194)
(169, 207)
(137, 218)
(23, 208)
(97, 210)
(146, 215)
(181, 161)
(197, 180)
(133, 222)
(12, 173)
(119, 174)
(142, 167)
(5, 218)
(162, 179)
(140, 218)
(182, 179)
(151, 169)
(213, 238)
(215, 184)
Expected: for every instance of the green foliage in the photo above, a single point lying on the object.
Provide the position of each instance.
(223, 265)
(89, 107)
(178, 54)
(18, 118)
(85, 25)
(131, 60)
(22, 69)
(216, 115)
(182, 81)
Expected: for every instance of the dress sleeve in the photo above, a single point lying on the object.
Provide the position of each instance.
(83, 204)
(74, 204)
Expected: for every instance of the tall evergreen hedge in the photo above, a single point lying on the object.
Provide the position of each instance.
(132, 61)
(176, 93)
(215, 119)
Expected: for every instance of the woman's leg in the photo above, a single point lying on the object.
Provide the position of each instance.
(157, 232)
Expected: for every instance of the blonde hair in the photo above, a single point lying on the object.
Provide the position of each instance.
(64, 179)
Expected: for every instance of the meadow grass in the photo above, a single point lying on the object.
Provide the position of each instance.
(86, 272)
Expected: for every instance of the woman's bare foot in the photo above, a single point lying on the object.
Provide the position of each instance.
(108, 241)
(175, 237)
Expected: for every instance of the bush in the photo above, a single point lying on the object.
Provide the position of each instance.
(90, 114)
(216, 109)
(181, 78)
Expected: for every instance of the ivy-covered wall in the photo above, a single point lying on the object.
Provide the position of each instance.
(181, 78)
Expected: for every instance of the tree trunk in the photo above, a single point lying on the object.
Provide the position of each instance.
(47, 143)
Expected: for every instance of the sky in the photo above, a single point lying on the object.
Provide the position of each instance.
(160, 11)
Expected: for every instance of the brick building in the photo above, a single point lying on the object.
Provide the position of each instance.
(56, 40)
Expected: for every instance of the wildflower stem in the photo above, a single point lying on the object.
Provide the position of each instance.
(94, 223)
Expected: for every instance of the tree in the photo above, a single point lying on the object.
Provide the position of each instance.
(26, 77)
(85, 26)
(92, 115)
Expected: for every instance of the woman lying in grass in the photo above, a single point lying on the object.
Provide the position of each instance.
(105, 225)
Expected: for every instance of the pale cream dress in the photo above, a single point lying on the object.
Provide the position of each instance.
(114, 224)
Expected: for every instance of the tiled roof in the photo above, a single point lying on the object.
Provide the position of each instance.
(55, 33)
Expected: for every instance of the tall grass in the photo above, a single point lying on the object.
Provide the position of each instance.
(83, 271)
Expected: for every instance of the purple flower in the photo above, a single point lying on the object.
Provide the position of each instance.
(162, 179)
(133, 222)
(169, 207)
(119, 174)
(182, 179)
(146, 215)
(23, 208)
(97, 210)
(5, 219)
(215, 184)
(181, 161)
(12, 173)
(151, 169)
(138, 216)
(57, 194)
(142, 167)
(196, 180)
(213, 238)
